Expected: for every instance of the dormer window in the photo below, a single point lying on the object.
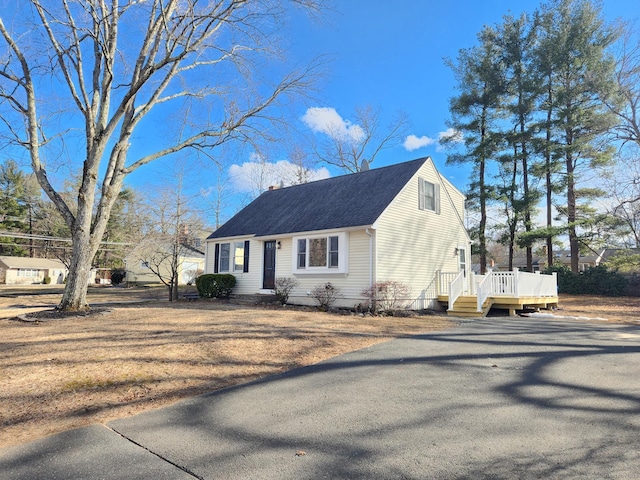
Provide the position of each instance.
(428, 196)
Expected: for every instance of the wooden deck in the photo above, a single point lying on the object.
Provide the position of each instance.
(466, 305)
(477, 295)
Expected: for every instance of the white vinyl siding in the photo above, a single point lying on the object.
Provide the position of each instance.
(413, 244)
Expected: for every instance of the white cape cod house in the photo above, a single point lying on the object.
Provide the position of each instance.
(402, 223)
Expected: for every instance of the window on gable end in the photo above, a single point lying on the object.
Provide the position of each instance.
(428, 195)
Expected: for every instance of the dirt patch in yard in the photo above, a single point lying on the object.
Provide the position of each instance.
(64, 373)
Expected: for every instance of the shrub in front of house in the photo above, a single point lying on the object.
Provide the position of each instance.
(117, 276)
(46, 280)
(215, 285)
(283, 287)
(326, 295)
(387, 296)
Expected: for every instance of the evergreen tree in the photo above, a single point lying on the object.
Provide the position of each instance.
(517, 37)
(18, 196)
(475, 115)
(573, 56)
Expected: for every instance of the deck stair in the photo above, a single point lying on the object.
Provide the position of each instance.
(466, 306)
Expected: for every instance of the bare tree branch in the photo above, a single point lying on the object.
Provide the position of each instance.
(110, 64)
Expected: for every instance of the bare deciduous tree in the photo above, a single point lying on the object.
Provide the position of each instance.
(171, 239)
(103, 67)
(625, 104)
(356, 149)
(624, 198)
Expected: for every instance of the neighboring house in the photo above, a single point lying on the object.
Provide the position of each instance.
(610, 253)
(150, 256)
(563, 257)
(26, 270)
(402, 223)
(519, 263)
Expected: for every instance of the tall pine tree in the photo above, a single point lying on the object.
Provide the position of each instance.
(475, 115)
(573, 47)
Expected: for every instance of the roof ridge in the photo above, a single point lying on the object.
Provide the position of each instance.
(350, 174)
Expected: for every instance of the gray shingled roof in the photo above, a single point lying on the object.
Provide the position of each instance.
(351, 200)
(28, 262)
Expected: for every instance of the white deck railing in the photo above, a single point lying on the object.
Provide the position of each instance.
(444, 281)
(537, 284)
(483, 290)
(456, 288)
(499, 284)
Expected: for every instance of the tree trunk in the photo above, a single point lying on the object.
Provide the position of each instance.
(74, 297)
(549, 238)
(174, 295)
(528, 226)
(483, 222)
(571, 215)
(513, 224)
(548, 184)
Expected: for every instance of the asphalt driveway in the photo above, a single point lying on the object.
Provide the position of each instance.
(493, 398)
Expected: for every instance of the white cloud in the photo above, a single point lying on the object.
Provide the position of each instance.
(413, 142)
(326, 120)
(255, 176)
(451, 134)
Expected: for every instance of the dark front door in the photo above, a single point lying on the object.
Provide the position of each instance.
(269, 270)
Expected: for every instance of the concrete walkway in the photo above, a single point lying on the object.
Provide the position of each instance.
(494, 398)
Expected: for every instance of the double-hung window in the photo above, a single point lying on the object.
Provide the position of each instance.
(321, 254)
(302, 253)
(238, 256)
(232, 257)
(224, 257)
(428, 195)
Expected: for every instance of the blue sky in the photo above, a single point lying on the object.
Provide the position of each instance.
(389, 55)
(392, 58)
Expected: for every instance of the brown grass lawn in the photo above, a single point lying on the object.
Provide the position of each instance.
(65, 373)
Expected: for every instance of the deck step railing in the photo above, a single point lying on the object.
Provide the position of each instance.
(514, 284)
(483, 291)
(456, 288)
